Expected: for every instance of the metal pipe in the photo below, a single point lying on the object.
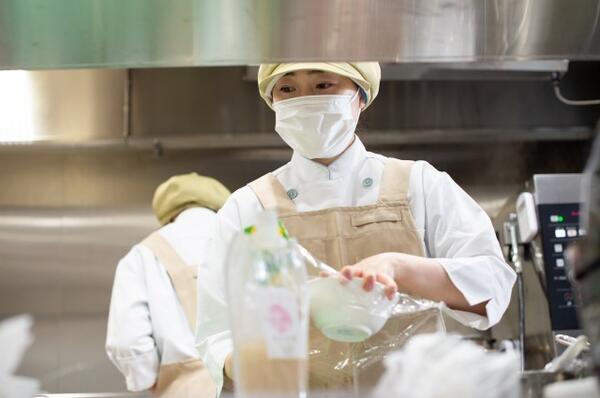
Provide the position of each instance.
(538, 263)
(127, 106)
(561, 98)
(263, 140)
(516, 261)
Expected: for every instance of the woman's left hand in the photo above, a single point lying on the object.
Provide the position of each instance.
(377, 268)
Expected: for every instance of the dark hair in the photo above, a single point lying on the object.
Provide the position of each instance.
(363, 94)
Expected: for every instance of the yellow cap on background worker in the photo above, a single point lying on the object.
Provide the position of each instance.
(184, 191)
(367, 75)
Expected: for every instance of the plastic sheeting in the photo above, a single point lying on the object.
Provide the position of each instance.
(15, 338)
(357, 367)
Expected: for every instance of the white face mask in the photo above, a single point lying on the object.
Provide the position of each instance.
(317, 126)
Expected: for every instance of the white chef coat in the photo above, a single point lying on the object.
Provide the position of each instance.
(147, 326)
(453, 228)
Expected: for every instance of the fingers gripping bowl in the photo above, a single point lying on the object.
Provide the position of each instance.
(346, 312)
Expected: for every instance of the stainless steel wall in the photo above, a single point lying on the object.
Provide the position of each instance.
(57, 263)
(218, 101)
(203, 108)
(147, 33)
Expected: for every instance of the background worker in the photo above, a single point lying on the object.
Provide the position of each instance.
(154, 310)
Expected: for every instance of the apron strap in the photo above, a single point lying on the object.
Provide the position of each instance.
(394, 183)
(183, 276)
(272, 195)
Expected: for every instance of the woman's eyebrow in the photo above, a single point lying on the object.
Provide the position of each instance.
(310, 72)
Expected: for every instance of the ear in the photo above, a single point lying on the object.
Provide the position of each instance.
(362, 104)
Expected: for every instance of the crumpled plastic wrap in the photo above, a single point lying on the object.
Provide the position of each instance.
(15, 338)
(446, 366)
(357, 367)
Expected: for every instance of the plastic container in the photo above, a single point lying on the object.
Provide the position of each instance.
(268, 303)
(347, 313)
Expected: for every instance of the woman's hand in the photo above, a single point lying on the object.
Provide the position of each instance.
(413, 275)
(378, 268)
(228, 367)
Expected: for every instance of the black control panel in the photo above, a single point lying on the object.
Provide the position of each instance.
(560, 226)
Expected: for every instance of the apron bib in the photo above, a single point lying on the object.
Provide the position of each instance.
(190, 377)
(343, 236)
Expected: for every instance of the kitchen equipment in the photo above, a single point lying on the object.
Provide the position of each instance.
(579, 388)
(586, 255)
(558, 201)
(563, 361)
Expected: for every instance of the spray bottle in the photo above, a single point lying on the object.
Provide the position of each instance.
(268, 307)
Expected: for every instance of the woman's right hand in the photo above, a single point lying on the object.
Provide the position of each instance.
(377, 268)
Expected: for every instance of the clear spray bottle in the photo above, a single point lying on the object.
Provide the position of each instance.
(268, 307)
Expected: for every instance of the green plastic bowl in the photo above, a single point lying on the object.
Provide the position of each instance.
(346, 312)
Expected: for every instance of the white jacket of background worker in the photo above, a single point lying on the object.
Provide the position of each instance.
(147, 327)
(155, 309)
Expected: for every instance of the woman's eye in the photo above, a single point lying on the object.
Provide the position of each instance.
(286, 89)
(324, 86)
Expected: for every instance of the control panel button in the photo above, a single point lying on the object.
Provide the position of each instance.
(558, 248)
(568, 296)
(560, 262)
(560, 233)
(571, 232)
(582, 232)
(554, 218)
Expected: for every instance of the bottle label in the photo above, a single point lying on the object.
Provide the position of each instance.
(281, 320)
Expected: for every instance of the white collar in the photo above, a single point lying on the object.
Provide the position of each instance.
(194, 214)
(308, 170)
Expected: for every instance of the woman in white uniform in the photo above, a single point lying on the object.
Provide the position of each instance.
(154, 310)
(401, 223)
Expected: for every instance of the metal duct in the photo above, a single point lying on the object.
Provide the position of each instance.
(74, 105)
(215, 108)
(36, 34)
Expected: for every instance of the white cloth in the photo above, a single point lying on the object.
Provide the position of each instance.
(147, 326)
(15, 338)
(466, 369)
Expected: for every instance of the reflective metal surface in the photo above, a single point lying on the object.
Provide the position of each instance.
(401, 31)
(144, 394)
(110, 33)
(587, 263)
(68, 106)
(198, 103)
(145, 33)
(64, 249)
(58, 264)
(219, 108)
(557, 188)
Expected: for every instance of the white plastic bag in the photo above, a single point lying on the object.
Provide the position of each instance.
(442, 366)
(15, 338)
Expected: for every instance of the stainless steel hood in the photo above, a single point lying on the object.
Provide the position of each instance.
(39, 34)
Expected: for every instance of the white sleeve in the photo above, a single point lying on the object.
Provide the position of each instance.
(213, 337)
(129, 341)
(460, 236)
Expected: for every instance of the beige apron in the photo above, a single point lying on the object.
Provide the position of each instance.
(188, 378)
(343, 236)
